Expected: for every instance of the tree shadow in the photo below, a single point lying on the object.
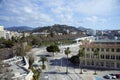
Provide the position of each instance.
(46, 55)
(63, 63)
(54, 72)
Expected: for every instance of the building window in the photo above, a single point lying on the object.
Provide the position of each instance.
(92, 62)
(112, 49)
(102, 49)
(117, 57)
(107, 50)
(107, 64)
(102, 56)
(112, 64)
(98, 49)
(88, 49)
(118, 65)
(107, 57)
(88, 63)
(88, 55)
(92, 49)
(118, 50)
(92, 56)
(112, 57)
(102, 63)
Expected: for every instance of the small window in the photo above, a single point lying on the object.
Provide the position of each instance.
(118, 65)
(112, 49)
(107, 57)
(107, 50)
(102, 56)
(117, 57)
(102, 49)
(118, 50)
(102, 63)
(92, 62)
(112, 57)
(98, 49)
(92, 49)
(88, 49)
(88, 55)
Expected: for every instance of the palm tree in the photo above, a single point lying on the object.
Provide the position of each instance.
(81, 53)
(67, 52)
(43, 59)
(96, 53)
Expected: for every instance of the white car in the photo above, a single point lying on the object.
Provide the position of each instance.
(113, 76)
(110, 76)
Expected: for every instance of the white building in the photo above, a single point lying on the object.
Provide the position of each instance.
(8, 34)
(18, 67)
(2, 32)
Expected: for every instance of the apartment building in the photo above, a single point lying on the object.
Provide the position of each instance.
(108, 56)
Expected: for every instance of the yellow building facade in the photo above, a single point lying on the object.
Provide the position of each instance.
(108, 54)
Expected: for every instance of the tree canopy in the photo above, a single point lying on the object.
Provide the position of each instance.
(74, 59)
(53, 48)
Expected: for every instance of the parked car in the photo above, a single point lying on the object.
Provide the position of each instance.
(113, 76)
(110, 76)
(107, 76)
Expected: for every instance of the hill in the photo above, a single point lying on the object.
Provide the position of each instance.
(56, 28)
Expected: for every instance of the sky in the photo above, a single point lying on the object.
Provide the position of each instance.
(94, 14)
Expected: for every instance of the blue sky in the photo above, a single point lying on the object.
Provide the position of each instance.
(95, 14)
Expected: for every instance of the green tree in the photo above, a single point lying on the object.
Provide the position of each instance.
(67, 52)
(96, 54)
(81, 54)
(36, 73)
(43, 59)
(75, 59)
(53, 48)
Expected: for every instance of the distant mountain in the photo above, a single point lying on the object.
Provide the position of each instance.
(19, 28)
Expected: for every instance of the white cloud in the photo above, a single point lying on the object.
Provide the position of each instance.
(95, 20)
(92, 19)
(28, 9)
(71, 12)
(4, 18)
